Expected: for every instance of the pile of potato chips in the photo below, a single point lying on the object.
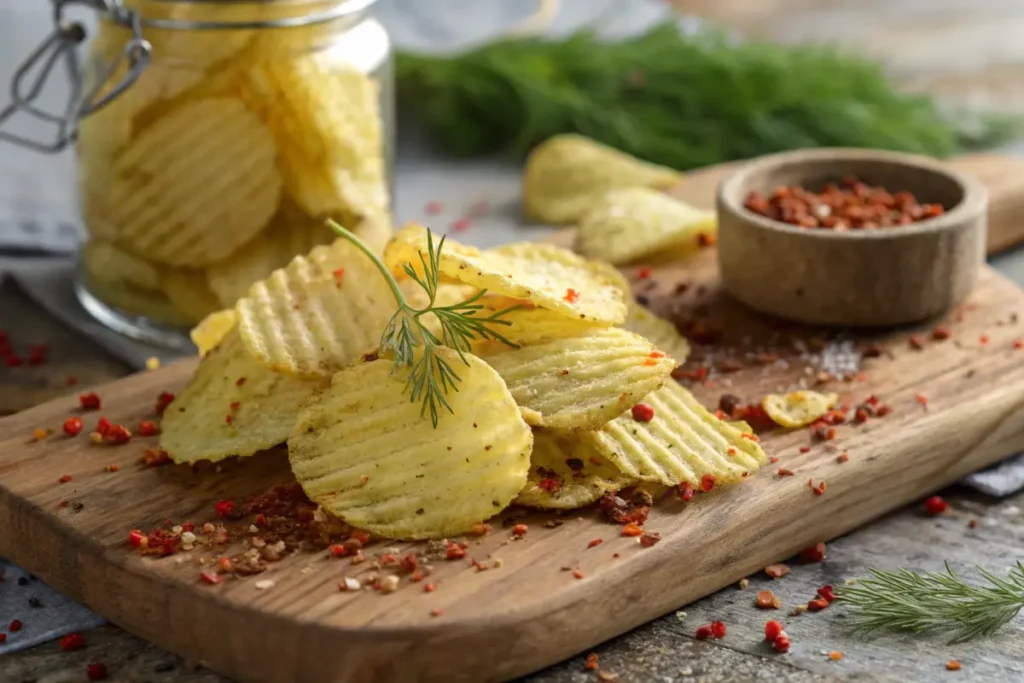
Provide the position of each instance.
(547, 422)
(222, 161)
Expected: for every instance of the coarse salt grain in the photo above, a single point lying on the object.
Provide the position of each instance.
(264, 584)
(350, 584)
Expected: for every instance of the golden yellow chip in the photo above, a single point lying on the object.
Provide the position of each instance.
(744, 427)
(682, 442)
(798, 408)
(658, 331)
(188, 292)
(197, 185)
(290, 233)
(579, 383)
(212, 329)
(365, 453)
(134, 302)
(567, 174)
(528, 323)
(320, 313)
(108, 263)
(566, 473)
(549, 276)
(232, 406)
(633, 222)
(327, 125)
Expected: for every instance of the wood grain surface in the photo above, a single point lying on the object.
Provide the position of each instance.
(531, 612)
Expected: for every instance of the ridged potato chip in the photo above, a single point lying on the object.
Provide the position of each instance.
(566, 473)
(567, 174)
(327, 125)
(798, 408)
(365, 453)
(290, 233)
(212, 329)
(682, 443)
(108, 263)
(530, 324)
(549, 276)
(633, 222)
(320, 313)
(232, 406)
(196, 185)
(188, 292)
(134, 302)
(579, 383)
(658, 331)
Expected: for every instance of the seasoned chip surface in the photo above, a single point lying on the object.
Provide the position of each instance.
(320, 313)
(798, 408)
(197, 184)
(630, 223)
(566, 473)
(549, 276)
(212, 329)
(579, 383)
(232, 406)
(365, 453)
(682, 443)
(530, 324)
(658, 331)
(565, 175)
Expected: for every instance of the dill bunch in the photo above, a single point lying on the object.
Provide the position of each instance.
(682, 100)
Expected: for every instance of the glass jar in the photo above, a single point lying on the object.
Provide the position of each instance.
(252, 123)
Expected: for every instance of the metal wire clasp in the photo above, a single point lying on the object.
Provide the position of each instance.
(61, 46)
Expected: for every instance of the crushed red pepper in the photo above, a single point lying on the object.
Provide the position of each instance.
(935, 506)
(72, 642)
(89, 401)
(642, 412)
(97, 671)
(73, 426)
(165, 398)
(813, 553)
(767, 600)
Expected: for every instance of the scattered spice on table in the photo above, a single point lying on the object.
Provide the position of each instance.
(97, 671)
(72, 642)
(935, 505)
(90, 401)
(777, 571)
(767, 600)
(591, 664)
(952, 665)
(813, 553)
(15, 626)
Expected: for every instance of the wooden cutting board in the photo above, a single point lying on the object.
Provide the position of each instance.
(532, 611)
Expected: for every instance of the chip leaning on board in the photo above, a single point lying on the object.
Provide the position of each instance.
(423, 391)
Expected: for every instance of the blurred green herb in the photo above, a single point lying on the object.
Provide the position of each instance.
(682, 100)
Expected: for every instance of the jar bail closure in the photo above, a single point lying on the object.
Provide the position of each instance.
(61, 46)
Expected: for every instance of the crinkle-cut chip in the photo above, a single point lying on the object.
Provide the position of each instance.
(659, 331)
(566, 473)
(682, 443)
(327, 125)
(549, 276)
(320, 313)
(567, 174)
(798, 408)
(188, 292)
(212, 329)
(196, 185)
(633, 222)
(134, 302)
(528, 323)
(110, 264)
(582, 382)
(291, 233)
(365, 453)
(232, 406)
(743, 427)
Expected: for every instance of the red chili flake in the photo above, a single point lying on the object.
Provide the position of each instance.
(777, 571)
(632, 530)
(703, 633)
(916, 342)
(89, 401)
(72, 642)
(362, 536)
(642, 412)
(649, 538)
(754, 437)
(429, 588)
(1018, 344)
(112, 468)
(228, 419)
(767, 600)
(338, 550)
(594, 543)
(781, 644)
(14, 626)
(460, 225)
(148, 428)
(103, 426)
(772, 630)
(454, 552)
(826, 593)
(842, 457)
(952, 665)
(549, 484)
(118, 434)
(339, 276)
(940, 333)
(520, 529)
(436, 612)
(210, 578)
(64, 478)
(860, 416)
(707, 482)
(154, 457)
(707, 239)
(224, 508)
(817, 605)
(818, 490)
(39, 433)
(3, 638)
(571, 295)
(774, 459)
(577, 574)
(805, 449)
(686, 491)
(883, 410)
(136, 538)
(224, 565)
(922, 399)
(935, 506)
(37, 354)
(73, 426)
(591, 664)
(643, 273)
(813, 553)
(983, 339)
(718, 629)
(97, 671)
(165, 398)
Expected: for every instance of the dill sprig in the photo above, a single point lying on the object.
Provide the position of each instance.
(904, 600)
(681, 99)
(413, 345)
